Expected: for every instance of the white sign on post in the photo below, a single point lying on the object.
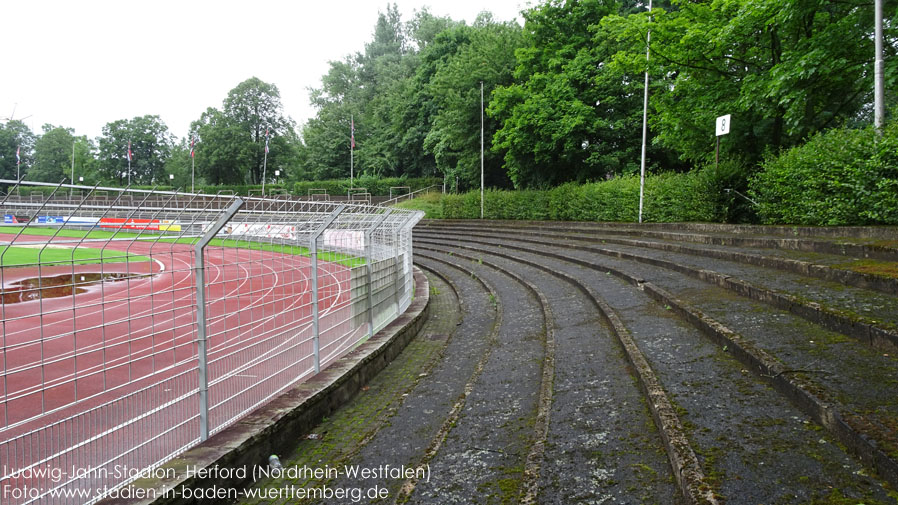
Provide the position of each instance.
(723, 125)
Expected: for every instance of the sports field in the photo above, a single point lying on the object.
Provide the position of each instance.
(106, 374)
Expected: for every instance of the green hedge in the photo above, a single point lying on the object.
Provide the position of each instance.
(668, 198)
(840, 177)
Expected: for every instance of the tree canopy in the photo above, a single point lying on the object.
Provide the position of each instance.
(149, 142)
(231, 142)
(563, 99)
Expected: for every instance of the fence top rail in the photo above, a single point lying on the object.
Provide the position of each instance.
(181, 215)
(252, 202)
(407, 196)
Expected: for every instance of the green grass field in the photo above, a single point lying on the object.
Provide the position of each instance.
(49, 231)
(430, 203)
(12, 256)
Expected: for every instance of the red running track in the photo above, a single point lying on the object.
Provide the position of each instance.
(134, 339)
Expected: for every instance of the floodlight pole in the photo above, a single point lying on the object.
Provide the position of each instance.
(878, 75)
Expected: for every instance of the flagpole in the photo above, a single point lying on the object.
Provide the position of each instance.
(73, 167)
(264, 168)
(351, 149)
(878, 75)
(265, 163)
(645, 115)
(18, 161)
(129, 163)
(193, 163)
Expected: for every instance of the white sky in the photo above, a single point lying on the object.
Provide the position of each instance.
(84, 63)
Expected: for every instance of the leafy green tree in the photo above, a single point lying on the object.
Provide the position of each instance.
(381, 90)
(231, 146)
(178, 165)
(482, 53)
(783, 69)
(386, 65)
(327, 138)
(224, 151)
(53, 155)
(359, 90)
(15, 135)
(569, 116)
(151, 145)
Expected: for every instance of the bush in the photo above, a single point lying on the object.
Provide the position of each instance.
(840, 177)
(668, 197)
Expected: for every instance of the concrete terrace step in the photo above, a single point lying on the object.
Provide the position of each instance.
(854, 311)
(840, 376)
(846, 270)
(728, 411)
(554, 369)
(876, 243)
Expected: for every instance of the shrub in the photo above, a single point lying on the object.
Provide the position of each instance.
(668, 197)
(840, 177)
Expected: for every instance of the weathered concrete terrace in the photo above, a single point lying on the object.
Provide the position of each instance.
(601, 363)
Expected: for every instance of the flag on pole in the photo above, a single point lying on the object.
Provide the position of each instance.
(18, 158)
(266, 140)
(130, 156)
(352, 133)
(192, 144)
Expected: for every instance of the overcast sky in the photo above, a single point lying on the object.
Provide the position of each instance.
(84, 63)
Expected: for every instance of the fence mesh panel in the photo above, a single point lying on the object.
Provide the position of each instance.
(105, 375)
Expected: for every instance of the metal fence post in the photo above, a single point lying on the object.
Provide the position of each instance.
(201, 311)
(313, 247)
(369, 258)
(397, 237)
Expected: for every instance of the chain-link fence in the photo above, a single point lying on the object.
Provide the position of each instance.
(138, 323)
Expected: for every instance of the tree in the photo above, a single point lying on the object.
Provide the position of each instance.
(15, 135)
(224, 151)
(360, 90)
(569, 116)
(482, 53)
(85, 161)
(231, 148)
(150, 145)
(380, 89)
(178, 165)
(783, 69)
(53, 155)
